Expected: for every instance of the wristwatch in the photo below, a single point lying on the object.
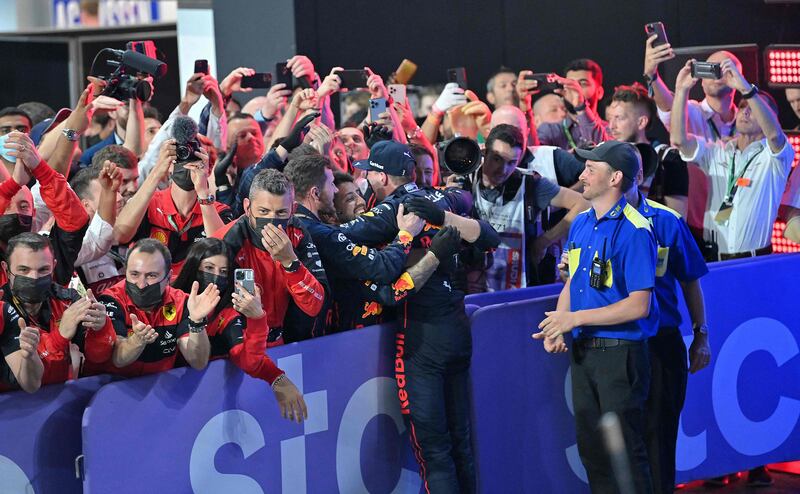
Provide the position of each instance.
(71, 134)
(197, 327)
(749, 94)
(294, 266)
(700, 328)
(208, 200)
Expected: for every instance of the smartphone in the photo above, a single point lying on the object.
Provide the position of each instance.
(246, 278)
(353, 79)
(398, 93)
(405, 71)
(200, 67)
(706, 70)
(259, 80)
(656, 28)
(283, 75)
(376, 107)
(547, 81)
(458, 75)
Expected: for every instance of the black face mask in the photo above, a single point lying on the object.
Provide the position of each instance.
(144, 298)
(31, 291)
(182, 178)
(262, 222)
(206, 279)
(12, 225)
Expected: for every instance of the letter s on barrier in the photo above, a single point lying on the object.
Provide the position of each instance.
(747, 436)
(12, 478)
(375, 397)
(230, 426)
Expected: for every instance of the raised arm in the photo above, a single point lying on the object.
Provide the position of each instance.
(678, 135)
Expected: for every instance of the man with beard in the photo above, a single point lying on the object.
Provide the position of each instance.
(347, 201)
(347, 265)
(152, 320)
(61, 315)
(281, 253)
(500, 89)
(631, 114)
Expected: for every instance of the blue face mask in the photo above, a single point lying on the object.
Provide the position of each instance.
(4, 151)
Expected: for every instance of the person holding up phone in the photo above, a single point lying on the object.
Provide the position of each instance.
(237, 328)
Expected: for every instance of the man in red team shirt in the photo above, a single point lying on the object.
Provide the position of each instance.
(62, 316)
(284, 259)
(152, 320)
(178, 215)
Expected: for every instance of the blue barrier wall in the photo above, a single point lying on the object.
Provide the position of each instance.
(219, 430)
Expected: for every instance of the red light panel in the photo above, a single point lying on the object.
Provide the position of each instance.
(780, 244)
(794, 140)
(782, 63)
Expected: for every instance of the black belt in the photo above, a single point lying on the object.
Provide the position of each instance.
(763, 251)
(593, 343)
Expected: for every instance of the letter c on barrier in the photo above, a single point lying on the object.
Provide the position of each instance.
(12, 478)
(231, 426)
(375, 397)
(747, 436)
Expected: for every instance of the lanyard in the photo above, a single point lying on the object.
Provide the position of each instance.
(568, 134)
(174, 225)
(715, 130)
(732, 178)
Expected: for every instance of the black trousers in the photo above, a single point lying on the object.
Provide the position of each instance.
(668, 375)
(432, 373)
(614, 379)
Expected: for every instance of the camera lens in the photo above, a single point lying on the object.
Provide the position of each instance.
(240, 275)
(182, 152)
(462, 155)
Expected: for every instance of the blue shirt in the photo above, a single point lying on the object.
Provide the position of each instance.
(630, 254)
(679, 257)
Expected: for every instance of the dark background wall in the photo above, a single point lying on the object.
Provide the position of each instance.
(541, 35)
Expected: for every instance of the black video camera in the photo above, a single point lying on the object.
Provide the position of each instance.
(124, 82)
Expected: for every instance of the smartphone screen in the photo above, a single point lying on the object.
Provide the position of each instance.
(257, 80)
(353, 79)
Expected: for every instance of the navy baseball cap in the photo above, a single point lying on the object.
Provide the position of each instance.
(619, 155)
(389, 157)
(40, 129)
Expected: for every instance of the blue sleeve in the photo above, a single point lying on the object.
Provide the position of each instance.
(568, 167)
(685, 260)
(202, 124)
(377, 226)
(638, 256)
(350, 260)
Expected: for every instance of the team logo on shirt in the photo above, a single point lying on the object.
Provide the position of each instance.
(371, 309)
(403, 284)
(160, 236)
(169, 312)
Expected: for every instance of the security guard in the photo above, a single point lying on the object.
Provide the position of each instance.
(608, 304)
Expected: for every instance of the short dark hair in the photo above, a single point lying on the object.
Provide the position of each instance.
(586, 64)
(81, 181)
(307, 172)
(300, 151)
(152, 112)
(101, 118)
(37, 111)
(271, 181)
(33, 241)
(419, 151)
(506, 133)
(151, 246)
(342, 178)
(119, 155)
(502, 70)
(15, 110)
(636, 94)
